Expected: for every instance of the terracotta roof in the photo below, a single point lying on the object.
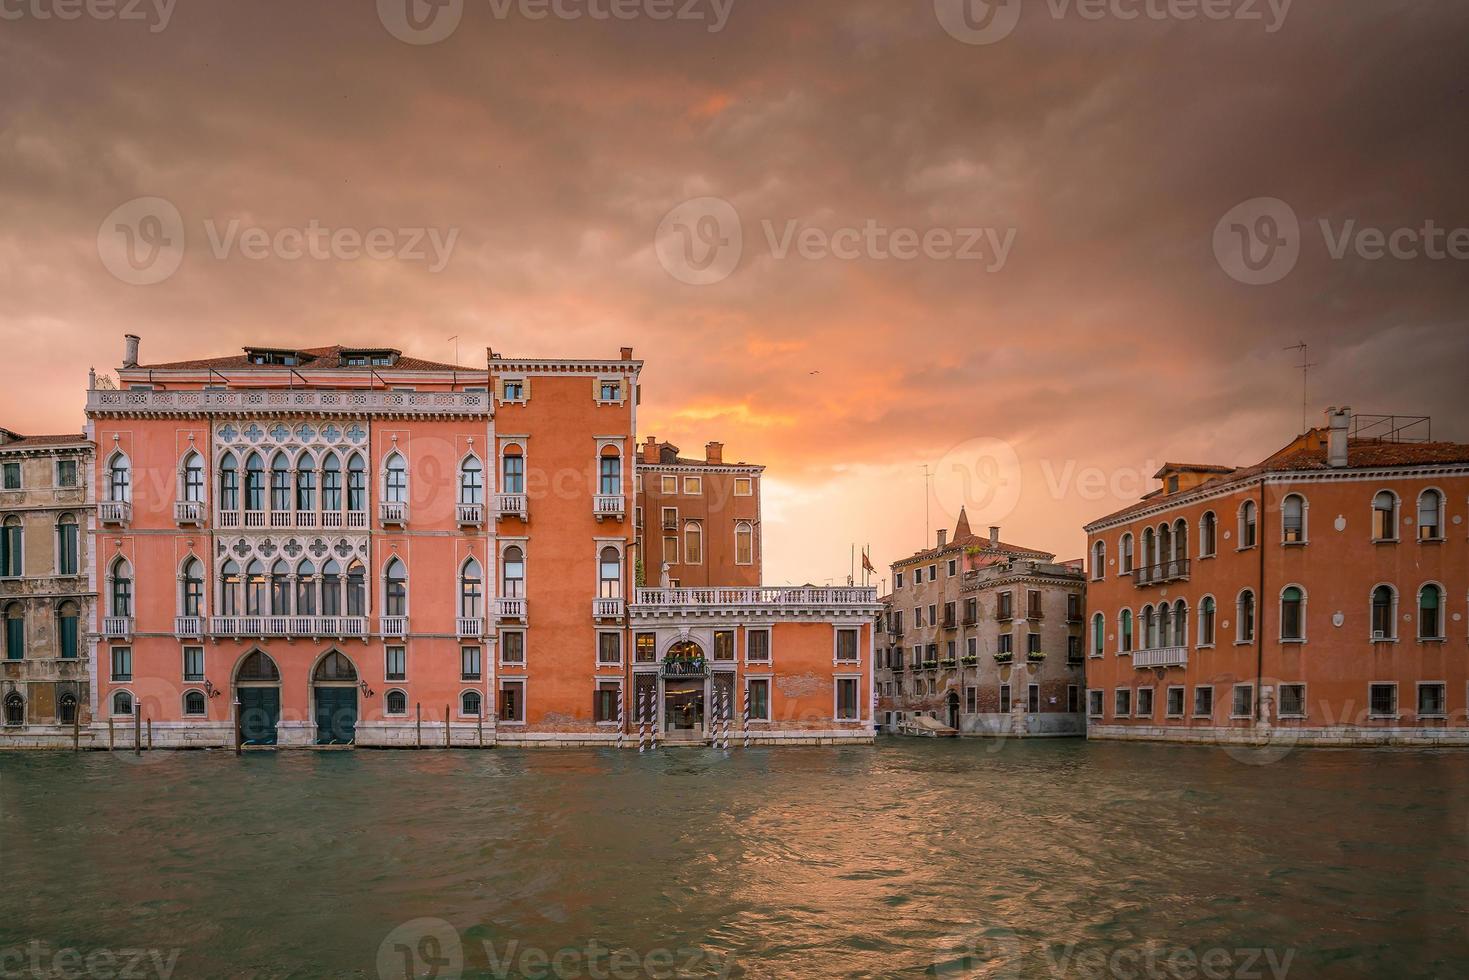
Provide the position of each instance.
(1191, 468)
(1308, 452)
(38, 442)
(329, 356)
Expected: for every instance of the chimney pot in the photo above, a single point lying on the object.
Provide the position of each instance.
(994, 535)
(1338, 423)
(626, 353)
(714, 452)
(943, 537)
(130, 355)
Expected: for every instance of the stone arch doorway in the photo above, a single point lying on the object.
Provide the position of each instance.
(952, 705)
(257, 699)
(334, 697)
(685, 690)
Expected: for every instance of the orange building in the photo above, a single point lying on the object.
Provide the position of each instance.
(1317, 596)
(700, 518)
(350, 546)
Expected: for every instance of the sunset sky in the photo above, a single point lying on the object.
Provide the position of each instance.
(1102, 153)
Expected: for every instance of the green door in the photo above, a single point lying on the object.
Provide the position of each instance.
(336, 715)
(260, 711)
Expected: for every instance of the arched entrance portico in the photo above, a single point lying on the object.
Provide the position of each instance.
(334, 695)
(685, 673)
(257, 699)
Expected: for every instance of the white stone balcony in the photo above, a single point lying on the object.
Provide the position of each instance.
(512, 609)
(304, 520)
(511, 505)
(607, 608)
(1160, 657)
(115, 511)
(469, 627)
(188, 512)
(117, 627)
(188, 627)
(393, 512)
(290, 402)
(303, 626)
(472, 515)
(393, 627)
(613, 506)
(768, 596)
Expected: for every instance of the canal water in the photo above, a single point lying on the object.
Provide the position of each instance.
(914, 858)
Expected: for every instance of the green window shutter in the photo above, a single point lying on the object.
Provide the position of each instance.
(68, 637)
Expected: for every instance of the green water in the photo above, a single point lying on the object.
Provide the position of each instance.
(912, 858)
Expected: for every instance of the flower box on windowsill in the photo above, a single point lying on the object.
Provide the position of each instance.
(970, 661)
(948, 664)
(1004, 658)
(930, 665)
(1035, 656)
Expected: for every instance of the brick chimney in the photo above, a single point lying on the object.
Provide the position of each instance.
(1338, 423)
(626, 353)
(994, 535)
(714, 452)
(650, 450)
(943, 537)
(130, 354)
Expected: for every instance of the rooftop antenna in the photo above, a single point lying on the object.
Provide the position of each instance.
(455, 338)
(1306, 365)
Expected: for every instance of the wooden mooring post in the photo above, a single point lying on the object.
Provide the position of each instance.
(150, 734)
(418, 724)
(76, 729)
(137, 730)
(447, 744)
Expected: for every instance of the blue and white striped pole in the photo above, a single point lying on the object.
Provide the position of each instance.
(621, 717)
(642, 721)
(745, 719)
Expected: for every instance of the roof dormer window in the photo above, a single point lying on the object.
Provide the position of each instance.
(369, 358)
(273, 356)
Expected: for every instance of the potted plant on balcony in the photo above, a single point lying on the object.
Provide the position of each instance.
(687, 664)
